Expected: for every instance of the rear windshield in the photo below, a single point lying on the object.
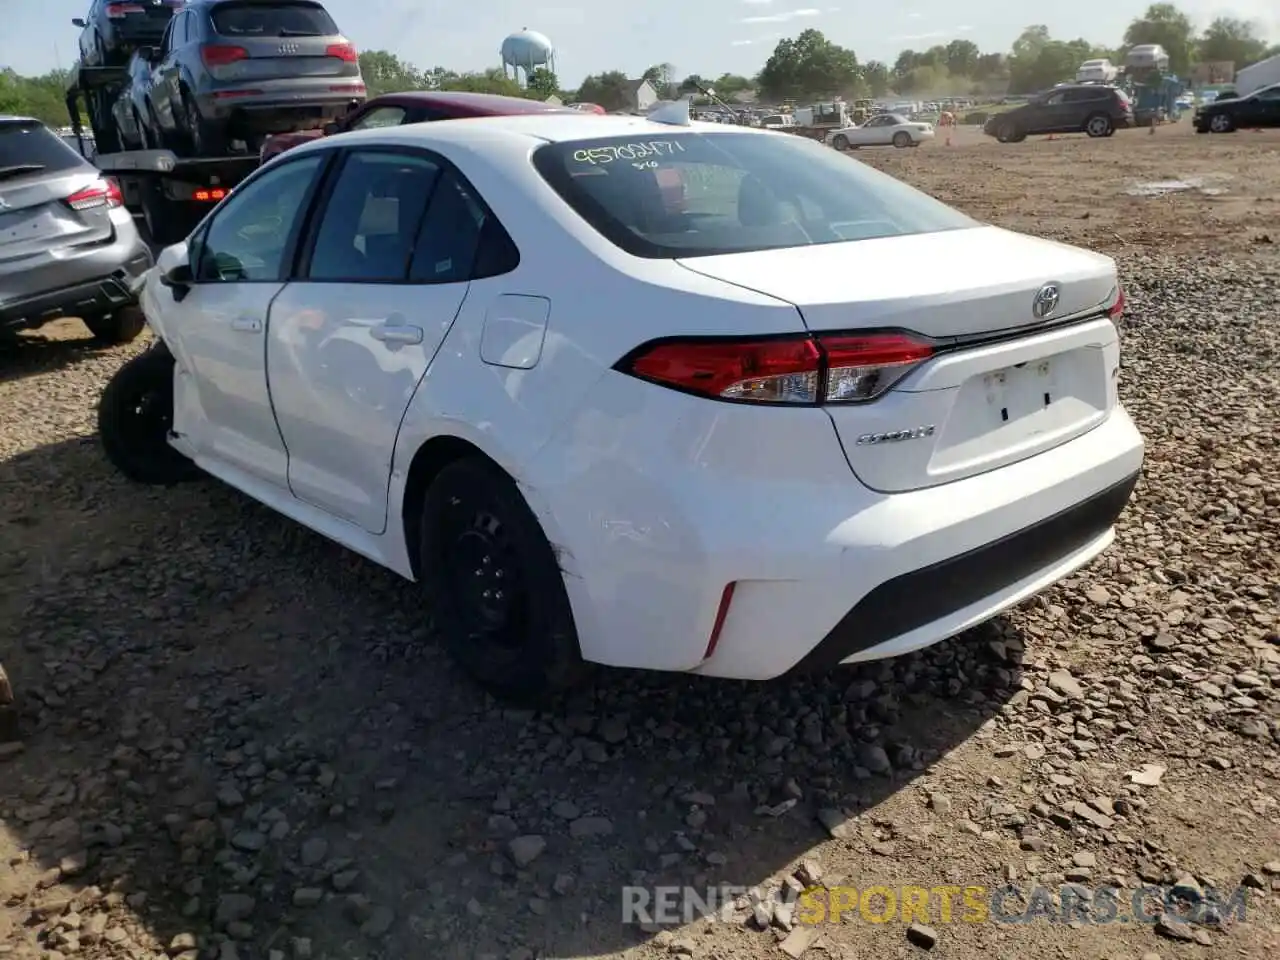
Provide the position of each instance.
(698, 194)
(272, 20)
(25, 142)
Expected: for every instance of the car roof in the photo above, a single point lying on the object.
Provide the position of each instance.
(572, 125)
(16, 118)
(493, 104)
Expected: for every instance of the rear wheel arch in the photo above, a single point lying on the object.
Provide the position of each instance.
(431, 457)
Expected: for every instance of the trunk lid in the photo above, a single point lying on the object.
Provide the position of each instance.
(1006, 384)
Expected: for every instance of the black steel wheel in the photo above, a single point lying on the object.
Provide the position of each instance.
(494, 584)
(135, 416)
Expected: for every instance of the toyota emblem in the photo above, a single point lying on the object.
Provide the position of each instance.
(1046, 301)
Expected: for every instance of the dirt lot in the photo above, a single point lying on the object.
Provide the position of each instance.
(241, 742)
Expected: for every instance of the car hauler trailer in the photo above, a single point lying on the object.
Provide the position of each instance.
(170, 193)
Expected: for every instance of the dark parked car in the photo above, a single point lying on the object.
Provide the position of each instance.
(420, 106)
(68, 246)
(115, 28)
(238, 70)
(1260, 109)
(130, 109)
(1095, 109)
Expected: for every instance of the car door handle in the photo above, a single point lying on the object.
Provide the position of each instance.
(396, 333)
(247, 325)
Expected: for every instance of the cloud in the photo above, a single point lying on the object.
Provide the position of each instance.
(741, 43)
(931, 35)
(757, 3)
(783, 17)
(914, 16)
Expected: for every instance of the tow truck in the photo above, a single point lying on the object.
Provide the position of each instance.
(168, 193)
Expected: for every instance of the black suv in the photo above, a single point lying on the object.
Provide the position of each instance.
(1260, 109)
(115, 28)
(1095, 109)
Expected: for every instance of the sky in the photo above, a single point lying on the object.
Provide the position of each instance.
(708, 37)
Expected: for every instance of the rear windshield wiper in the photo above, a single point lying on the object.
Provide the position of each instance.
(286, 32)
(20, 168)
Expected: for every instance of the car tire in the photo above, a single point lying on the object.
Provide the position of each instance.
(120, 326)
(1221, 123)
(902, 139)
(1098, 125)
(494, 586)
(135, 416)
(205, 139)
(840, 142)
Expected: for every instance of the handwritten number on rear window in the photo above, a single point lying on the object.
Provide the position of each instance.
(628, 151)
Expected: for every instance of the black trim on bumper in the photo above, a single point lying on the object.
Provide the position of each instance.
(922, 596)
(94, 297)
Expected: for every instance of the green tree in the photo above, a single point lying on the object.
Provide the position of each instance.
(43, 97)
(611, 90)
(543, 84)
(1165, 24)
(876, 77)
(1228, 38)
(384, 72)
(1038, 61)
(962, 57)
(809, 65)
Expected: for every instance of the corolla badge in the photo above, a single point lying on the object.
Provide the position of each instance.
(1046, 301)
(896, 436)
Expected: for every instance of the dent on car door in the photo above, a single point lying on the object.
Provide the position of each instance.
(386, 271)
(240, 261)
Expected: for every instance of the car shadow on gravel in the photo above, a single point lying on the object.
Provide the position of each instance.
(237, 732)
(44, 351)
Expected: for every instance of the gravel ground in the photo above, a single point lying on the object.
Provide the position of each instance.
(241, 743)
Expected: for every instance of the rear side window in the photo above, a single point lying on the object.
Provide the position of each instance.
(697, 194)
(284, 19)
(30, 143)
(446, 246)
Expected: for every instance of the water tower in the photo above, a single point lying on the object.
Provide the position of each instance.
(527, 50)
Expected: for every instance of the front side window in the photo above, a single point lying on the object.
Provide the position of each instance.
(249, 238)
(697, 194)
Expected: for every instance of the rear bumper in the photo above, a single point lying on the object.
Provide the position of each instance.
(286, 106)
(136, 32)
(884, 621)
(917, 568)
(76, 281)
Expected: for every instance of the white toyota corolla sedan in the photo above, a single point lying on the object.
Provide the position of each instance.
(641, 393)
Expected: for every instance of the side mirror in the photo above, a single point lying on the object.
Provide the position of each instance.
(331, 128)
(78, 21)
(174, 268)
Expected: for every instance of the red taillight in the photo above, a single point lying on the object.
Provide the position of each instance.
(831, 368)
(209, 196)
(1117, 308)
(221, 54)
(343, 51)
(100, 193)
(117, 10)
